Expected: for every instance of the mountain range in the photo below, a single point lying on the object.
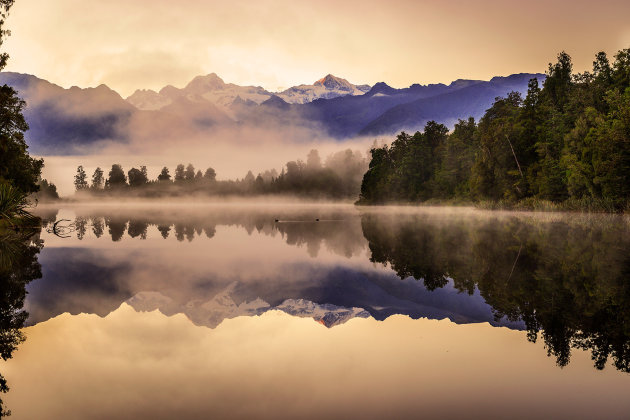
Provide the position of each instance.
(213, 89)
(75, 120)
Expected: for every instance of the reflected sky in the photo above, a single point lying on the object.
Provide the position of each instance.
(133, 365)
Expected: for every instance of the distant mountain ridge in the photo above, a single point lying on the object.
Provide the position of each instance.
(210, 88)
(75, 120)
(69, 119)
(466, 98)
(213, 89)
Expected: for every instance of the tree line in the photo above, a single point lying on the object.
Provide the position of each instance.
(338, 177)
(567, 143)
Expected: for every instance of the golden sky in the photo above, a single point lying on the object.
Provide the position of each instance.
(129, 44)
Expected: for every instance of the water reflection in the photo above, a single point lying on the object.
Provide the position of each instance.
(562, 278)
(566, 279)
(18, 267)
(339, 233)
(247, 269)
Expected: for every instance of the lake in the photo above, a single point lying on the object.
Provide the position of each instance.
(260, 311)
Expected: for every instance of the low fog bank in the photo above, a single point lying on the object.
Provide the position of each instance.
(200, 202)
(231, 153)
(336, 176)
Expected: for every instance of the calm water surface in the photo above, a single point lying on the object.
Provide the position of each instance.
(295, 311)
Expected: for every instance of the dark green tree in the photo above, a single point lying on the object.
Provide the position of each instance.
(559, 81)
(80, 179)
(498, 173)
(621, 70)
(137, 177)
(189, 173)
(180, 173)
(117, 177)
(47, 190)
(458, 158)
(210, 175)
(164, 175)
(611, 149)
(374, 187)
(98, 179)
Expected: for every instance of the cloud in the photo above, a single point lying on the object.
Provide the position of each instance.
(144, 68)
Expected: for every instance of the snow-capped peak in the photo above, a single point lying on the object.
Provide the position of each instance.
(213, 89)
(331, 82)
(327, 87)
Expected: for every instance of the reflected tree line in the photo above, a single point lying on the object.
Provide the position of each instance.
(18, 267)
(568, 282)
(297, 229)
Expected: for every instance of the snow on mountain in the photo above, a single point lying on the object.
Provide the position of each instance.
(326, 88)
(149, 301)
(326, 314)
(222, 306)
(202, 89)
(208, 313)
(213, 89)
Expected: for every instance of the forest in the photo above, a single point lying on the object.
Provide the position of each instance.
(338, 177)
(565, 145)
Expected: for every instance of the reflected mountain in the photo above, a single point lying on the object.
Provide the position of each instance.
(18, 267)
(82, 281)
(562, 278)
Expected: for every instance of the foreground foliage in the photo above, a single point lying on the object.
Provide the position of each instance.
(13, 206)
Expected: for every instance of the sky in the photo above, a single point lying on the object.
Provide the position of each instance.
(131, 44)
